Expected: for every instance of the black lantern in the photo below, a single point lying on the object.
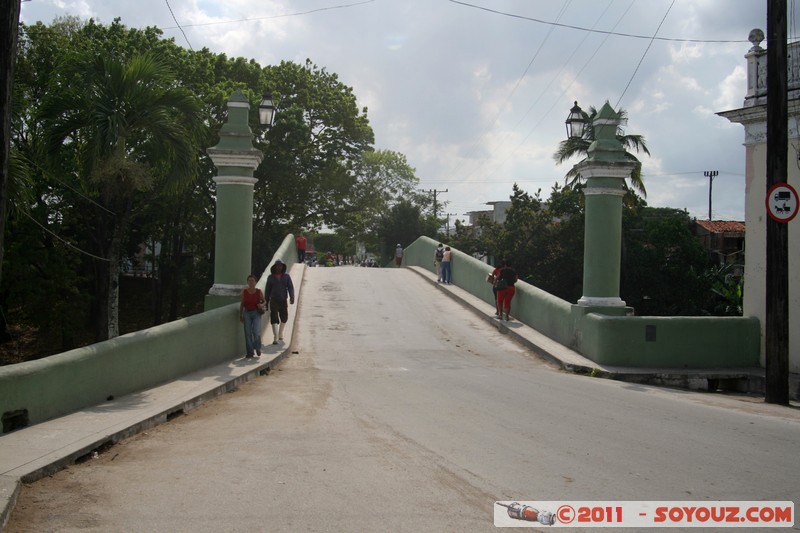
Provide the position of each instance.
(266, 110)
(576, 123)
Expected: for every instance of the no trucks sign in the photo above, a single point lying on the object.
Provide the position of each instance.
(782, 202)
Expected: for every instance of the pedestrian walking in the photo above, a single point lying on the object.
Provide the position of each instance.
(505, 289)
(447, 266)
(251, 307)
(300, 241)
(492, 278)
(398, 255)
(279, 291)
(438, 255)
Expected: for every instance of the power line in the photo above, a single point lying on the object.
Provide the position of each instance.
(514, 90)
(179, 26)
(64, 241)
(645, 53)
(577, 76)
(272, 16)
(580, 28)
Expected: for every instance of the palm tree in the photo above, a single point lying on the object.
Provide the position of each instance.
(132, 126)
(577, 146)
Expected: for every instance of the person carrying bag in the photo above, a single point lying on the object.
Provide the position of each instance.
(251, 307)
(505, 289)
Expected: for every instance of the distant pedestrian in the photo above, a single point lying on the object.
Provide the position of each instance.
(492, 278)
(279, 290)
(398, 255)
(251, 307)
(301, 242)
(505, 289)
(447, 266)
(438, 255)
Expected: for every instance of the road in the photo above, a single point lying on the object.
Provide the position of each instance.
(403, 411)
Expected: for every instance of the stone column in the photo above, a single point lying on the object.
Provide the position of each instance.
(605, 170)
(235, 159)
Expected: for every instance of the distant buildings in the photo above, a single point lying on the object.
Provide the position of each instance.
(724, 241)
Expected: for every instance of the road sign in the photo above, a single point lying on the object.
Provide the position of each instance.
(782, 202)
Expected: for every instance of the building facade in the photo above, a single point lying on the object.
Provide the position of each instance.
(753, 116)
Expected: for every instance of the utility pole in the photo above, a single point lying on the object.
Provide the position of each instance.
(777, 293)
(435, 205)
(710, 174)
(448, 222)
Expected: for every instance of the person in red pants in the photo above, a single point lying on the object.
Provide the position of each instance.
(505, 289)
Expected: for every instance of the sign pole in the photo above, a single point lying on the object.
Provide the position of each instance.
(777, 293)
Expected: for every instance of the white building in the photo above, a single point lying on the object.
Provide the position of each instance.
(753, 116)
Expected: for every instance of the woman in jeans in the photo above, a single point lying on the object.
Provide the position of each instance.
(447, 266)
(252, 297)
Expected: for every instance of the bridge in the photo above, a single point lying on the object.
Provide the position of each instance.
(395, 401)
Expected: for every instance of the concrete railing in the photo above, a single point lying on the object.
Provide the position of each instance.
(631, 341)
(47, 388)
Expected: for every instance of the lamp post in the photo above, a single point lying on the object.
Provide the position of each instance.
(236, 159)
(266, 110)
(605, 169)
(576, 122)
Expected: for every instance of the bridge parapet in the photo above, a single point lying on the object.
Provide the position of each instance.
(612, 340)
(40, 390)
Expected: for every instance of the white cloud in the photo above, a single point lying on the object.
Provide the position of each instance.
(440, 80)
(731, 94)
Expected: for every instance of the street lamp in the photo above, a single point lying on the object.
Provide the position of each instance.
(576, 123)
(605, 170)
(266, 110)
(236, 159)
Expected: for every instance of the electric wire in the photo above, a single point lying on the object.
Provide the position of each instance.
(645, 53)
(343, 6)
(580, 28)
(179, 26)
(508, 98)
(577, 76)
(63, 240)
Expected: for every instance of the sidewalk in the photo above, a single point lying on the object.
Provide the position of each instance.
(40, 450)
(742, 380)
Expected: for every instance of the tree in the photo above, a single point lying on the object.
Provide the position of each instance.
(403, 224)
(580, 146)
(134, 128)
(382, 178)
(9, 22)
(308, 176)
(664, 266)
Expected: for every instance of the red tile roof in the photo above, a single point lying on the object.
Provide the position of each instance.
(721, 226)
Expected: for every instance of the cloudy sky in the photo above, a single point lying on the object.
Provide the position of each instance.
(475, 92)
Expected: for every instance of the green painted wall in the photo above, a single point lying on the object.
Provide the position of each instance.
(673, 342)
(531, 305)
(66, 382)
(645, 342)
(232, 251)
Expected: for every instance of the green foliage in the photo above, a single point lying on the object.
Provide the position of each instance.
(403, 224)
(728, 289)
(663, 265)
(113, 181)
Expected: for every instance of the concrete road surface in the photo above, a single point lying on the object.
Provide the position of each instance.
(402, 411)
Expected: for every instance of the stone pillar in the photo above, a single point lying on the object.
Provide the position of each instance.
(235, 159)
(605, 170)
